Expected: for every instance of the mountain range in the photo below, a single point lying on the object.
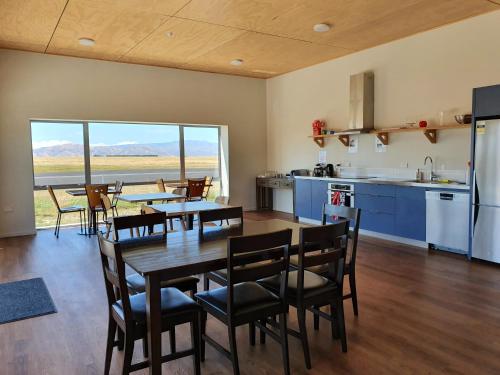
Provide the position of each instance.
(192, 148)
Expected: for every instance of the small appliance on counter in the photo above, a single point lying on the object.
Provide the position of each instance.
(299, 172)
(324, 170)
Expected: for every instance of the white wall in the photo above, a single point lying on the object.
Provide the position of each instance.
(415, 78)
(53, 87)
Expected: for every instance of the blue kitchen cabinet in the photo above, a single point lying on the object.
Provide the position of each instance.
(303, 197)
(319, 192)
(378, 205)
(410, 212)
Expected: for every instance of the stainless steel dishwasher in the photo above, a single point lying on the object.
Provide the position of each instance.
(447, 220)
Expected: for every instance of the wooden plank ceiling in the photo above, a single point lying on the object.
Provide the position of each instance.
(272, 37)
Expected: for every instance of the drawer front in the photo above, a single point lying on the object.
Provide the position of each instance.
(376, 189)
(410, 192)
(375, 203)
(286, 184)
(380, 222)
(303, 198)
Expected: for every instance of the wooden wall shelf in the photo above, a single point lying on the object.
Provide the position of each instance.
(430, 132)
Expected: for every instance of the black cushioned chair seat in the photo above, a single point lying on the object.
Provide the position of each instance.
(313, 283)
(72, 209)
(173, 301)
(246, 296)
(138, 284)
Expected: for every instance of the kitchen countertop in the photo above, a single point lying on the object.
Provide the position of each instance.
(390, 181)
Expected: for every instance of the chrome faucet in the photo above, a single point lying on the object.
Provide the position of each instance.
(433, 175)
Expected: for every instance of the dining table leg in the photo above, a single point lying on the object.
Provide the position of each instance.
(153, 317)
(190, 221)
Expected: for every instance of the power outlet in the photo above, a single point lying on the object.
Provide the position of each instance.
(404, 164)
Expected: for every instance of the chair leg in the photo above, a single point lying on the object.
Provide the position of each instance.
(171, 334)
(195, 342)
(81, 223)
(301, 317)
(127, 356)
(145, 348)
(121, 339)
(316, 319)
(206, 282)
(334, 320)
(341, 323)
(251, 333)
(58, 223)
(203, 331)
(284, 344)
(354, 295)
(233, 349)
(109, 345)
(262, 333)
(84, 222)
(171, 222)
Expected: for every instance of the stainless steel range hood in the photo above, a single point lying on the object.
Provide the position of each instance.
(361, 103)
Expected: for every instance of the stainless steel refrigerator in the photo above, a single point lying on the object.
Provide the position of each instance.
(485, 199)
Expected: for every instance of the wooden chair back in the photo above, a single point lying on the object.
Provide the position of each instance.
(334, 213)
(94, 195)
(161, 185)
(53, 196)
(221, 199)
(141, 221)
(195, 189)
(106, 202)
(250, 258)
(113, 268)
(323, 245)
(118, 191)
(221, 214)
(208, 185)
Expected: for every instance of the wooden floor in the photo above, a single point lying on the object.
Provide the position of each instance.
(420, 313)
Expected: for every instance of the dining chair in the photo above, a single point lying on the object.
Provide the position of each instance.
(179, 191)
(221, 199)
(95, 204)
(333, 213)
(161, 185)
(116, 194)
(319, 245)
(136, 283)
(66, 210)
(127, 314)
(107, 207)
(195, 189)
(243, 301)
(206, 188)
(219, 276)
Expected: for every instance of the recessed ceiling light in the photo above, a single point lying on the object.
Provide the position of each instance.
(87, 42)
(169, 34)
(236, 62)
(321, 27)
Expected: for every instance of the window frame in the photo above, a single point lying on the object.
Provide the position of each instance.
(86, 150)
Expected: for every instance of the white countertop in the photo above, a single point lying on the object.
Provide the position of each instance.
(390, 181)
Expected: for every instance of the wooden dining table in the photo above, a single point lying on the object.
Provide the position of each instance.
(188, 209)
(185, 254)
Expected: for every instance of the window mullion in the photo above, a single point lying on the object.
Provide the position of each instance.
(86, 152)
(181, 152)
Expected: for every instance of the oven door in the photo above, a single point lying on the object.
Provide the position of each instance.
(341, 198)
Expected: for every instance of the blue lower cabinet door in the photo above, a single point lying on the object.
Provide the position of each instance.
(410, 219)
(380, 222)
(303, 198)
(319, 196)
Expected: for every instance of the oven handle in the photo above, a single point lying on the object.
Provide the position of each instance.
(342, 191)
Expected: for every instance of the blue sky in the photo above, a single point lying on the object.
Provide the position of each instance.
(50, 134)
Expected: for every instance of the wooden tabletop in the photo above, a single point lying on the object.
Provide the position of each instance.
(186, 208)
(83, 192)
(185, 254)
(149, 197)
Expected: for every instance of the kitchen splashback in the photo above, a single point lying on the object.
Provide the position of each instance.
(457, 175)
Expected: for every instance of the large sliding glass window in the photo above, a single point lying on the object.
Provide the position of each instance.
(71, 154)
(133, 153)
